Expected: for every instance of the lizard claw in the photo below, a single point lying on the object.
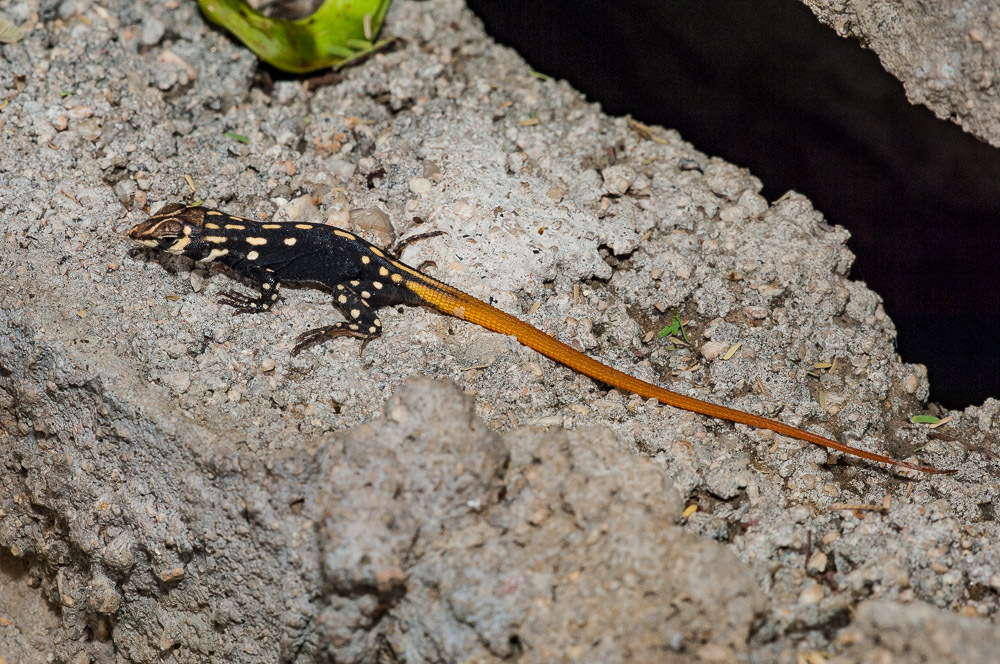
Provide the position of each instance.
(321, 334)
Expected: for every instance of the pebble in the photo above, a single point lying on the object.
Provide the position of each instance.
(102, 596)
(285, 92)
(713, 349)
(178, 381)
(339, 211)
(373, 221)
(342, 169)
(152, 31)
(817, 563)
(81, 112)
(811, 595)
(463, 209)
(617, 186)
(753, 203)
(89, 129)
(301, 208)
(733, 214)
(618, 179)
(420, 185)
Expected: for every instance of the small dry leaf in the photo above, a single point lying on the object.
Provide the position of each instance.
(645, 131)
(9, 33)
(732, 351)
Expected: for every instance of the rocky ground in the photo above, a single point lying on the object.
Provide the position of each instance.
(176, 487)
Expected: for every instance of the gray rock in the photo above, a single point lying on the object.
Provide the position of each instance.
(176, 486)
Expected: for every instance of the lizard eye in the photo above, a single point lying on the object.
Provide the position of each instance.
(171, 229)
(159, 233)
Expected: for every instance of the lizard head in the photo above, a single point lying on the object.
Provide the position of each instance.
(173, 228)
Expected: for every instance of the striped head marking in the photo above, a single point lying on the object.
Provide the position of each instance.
(173, 228)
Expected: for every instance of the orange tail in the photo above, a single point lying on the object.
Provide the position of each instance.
(454, 302)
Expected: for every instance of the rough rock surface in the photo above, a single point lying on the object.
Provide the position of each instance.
(945, 52)
(175, 487)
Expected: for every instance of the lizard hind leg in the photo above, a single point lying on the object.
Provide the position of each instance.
(320, 334)
(397, 247)
(362, 321)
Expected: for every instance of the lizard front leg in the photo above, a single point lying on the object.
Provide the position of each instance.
(248, 304)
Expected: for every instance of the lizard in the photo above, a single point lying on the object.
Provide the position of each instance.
(363, 278)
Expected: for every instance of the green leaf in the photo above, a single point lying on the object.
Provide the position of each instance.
(239, 138)
(676, 327)
(925, 419)
(339, 32)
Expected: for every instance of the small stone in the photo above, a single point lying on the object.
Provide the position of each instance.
(811, 595)
(733, 214)
(177, 381)
(431, 170)
(753, 203)
(152, 31)
(172, 574)
(166, 642)
(340, 168)
(339, 212)
(102, 596)
(713, 349)
(617, 179)
(538, 517)
(267, 365)
(125, 190)
(420, 186)
(81, 112)
(374, 222)
(911, 383)
(463, 209)
(89, 129)
(299, 209)
(817, 562)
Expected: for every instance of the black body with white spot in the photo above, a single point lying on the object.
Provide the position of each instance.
(361, 277)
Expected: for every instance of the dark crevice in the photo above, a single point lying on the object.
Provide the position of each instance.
(765, 85)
